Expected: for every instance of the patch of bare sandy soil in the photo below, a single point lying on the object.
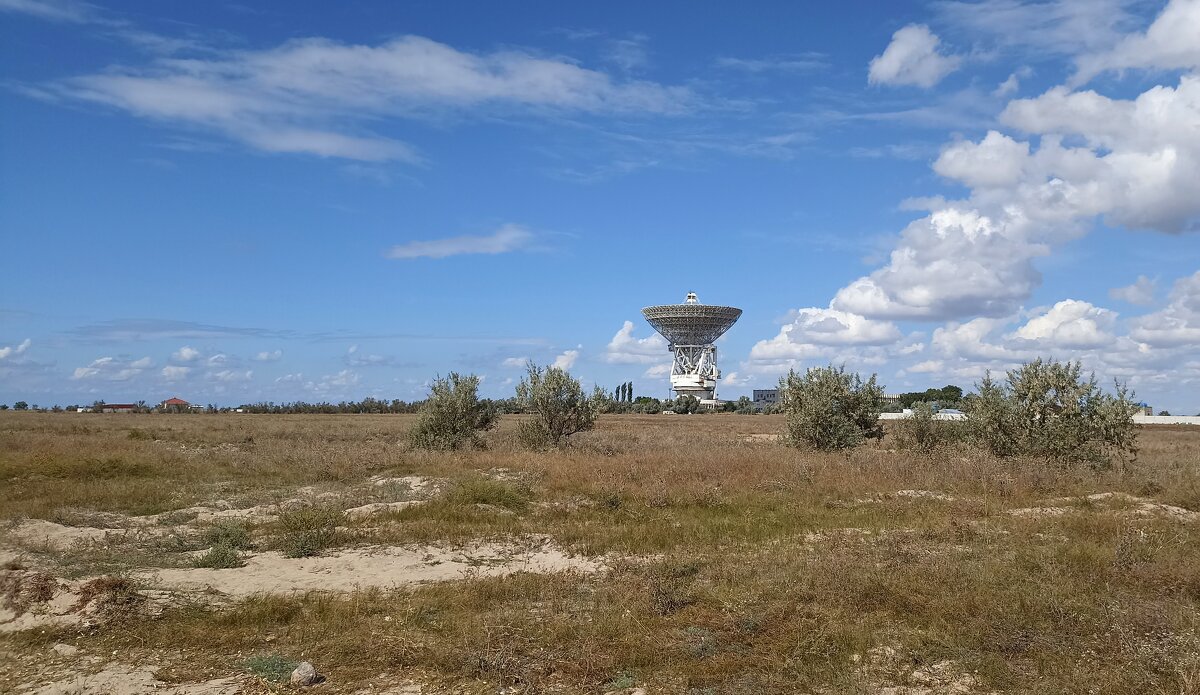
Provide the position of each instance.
(907, 494)
(119, 679)
(371, 567)
(89, 528)
(1119, 502)
(888, 674)
(762, 438)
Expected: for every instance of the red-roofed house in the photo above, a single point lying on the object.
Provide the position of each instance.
(175, 405)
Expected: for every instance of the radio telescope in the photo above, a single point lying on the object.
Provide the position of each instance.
(691, 328)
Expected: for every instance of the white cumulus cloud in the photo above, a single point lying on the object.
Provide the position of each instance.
(15, 350)
(1140, 292)
(175, 373)
(624, 348)
(1070, 324)
(186, 354)
(1171, 42)
(567, 359)
(912, 58)
(1176, 324)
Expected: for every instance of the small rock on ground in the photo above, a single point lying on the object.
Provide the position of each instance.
(304, 674)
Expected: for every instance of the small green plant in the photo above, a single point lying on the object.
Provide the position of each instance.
(493, 492)
(829, 409)
(559, 405)
(220, 556)
(621, 681)
(309, 530)
(271, 667)
(231, 533)
(453, 416)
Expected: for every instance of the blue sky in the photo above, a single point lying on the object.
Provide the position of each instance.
(234, 202)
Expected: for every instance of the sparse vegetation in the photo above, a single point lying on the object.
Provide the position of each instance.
(558, 403)
(231, 533)
(221, 555)
(922, 431)
(734, 564)
(453, 417)
(308, 530)
(272, 668)
(828, 408)
(490, 492)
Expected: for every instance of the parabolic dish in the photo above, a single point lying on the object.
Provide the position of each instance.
(691, 324)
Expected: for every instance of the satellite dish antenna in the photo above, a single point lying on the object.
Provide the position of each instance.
(691, 328)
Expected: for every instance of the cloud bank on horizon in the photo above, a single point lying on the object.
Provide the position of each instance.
(1052, 128)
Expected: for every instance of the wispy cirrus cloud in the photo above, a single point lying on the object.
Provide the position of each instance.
(316, 95)
(124, 330)
(801, 62)
(506, 239)
(52, 10)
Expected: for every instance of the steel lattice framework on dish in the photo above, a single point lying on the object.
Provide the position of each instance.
(691, 324)
(691, 328)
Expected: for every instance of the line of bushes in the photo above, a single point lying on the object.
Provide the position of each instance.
(1044, 409)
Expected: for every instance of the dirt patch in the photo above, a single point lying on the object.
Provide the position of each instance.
(372, 566)
(889, 674)
(1117, 502)
(48, 533)
(378, 508)
(118, 679)
(908, 494)
(761, 438)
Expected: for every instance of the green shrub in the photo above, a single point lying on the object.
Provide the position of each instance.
(922, 431)
(220, 556)
(559, 404)
(533, 435)
(453, 416)
(1046, 409)
(309, 530)
(829, 409)
(686, 405)
(231, 533)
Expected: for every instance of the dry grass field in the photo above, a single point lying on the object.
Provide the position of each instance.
(675, 554)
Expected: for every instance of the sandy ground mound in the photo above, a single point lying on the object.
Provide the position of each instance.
(31, 599)
(370, 567)
(1132, 506)
(39, 532)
